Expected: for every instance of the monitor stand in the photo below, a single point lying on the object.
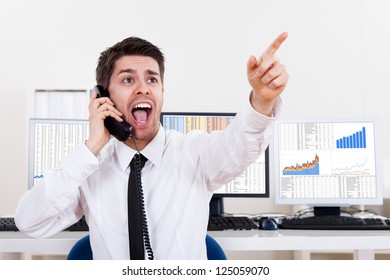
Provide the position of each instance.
(216, 206)
(327, 211)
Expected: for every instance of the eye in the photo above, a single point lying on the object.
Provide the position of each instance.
(128, 80)
(153, 80)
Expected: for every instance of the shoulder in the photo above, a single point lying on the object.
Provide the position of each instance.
(193, 135)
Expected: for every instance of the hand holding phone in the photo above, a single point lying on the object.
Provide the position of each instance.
(120, 130)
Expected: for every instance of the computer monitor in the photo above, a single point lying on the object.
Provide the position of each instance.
(253, 182)
(50, 140)
(327, 164)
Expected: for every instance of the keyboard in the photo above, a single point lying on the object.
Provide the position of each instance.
(230, 222)
(215, 223)
(335, 223)
(81, 225)
(8, 224)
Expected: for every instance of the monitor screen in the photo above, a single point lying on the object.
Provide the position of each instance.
(50, 141)
(327, 163)
(253, 182)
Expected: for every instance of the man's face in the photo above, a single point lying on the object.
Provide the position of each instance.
(137, 91)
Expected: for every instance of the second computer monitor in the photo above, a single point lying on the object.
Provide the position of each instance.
(327, 163)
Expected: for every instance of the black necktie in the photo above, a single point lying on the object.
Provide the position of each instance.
(135, 198)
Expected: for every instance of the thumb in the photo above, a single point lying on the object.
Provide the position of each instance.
(252, 63)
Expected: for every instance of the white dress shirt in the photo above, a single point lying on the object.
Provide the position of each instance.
(178, 180)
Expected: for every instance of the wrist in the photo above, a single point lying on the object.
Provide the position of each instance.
(262, 106)
(94, 147)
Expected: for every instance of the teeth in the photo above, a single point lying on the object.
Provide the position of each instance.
(142, 106)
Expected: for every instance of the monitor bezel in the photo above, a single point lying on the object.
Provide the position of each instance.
(341, 202)
(266, 194)
(31, 143)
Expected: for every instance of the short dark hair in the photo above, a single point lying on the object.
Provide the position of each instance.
(129, 46)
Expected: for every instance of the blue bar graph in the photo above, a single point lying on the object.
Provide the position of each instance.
(355, 141)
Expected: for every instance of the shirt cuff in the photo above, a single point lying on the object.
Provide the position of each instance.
(276, 110)
(256, 121)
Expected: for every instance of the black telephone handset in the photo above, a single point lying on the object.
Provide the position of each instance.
(120, 130)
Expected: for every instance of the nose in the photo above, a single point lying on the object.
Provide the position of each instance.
(143, 88)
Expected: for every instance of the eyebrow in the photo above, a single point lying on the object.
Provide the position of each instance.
(131, 70)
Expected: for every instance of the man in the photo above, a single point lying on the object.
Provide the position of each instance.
(181, 171)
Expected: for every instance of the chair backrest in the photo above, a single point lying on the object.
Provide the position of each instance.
(214, 250)
(81, 250)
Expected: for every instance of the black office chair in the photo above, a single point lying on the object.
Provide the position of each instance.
(81, 250)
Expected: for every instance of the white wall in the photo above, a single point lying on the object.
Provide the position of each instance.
(337, 54)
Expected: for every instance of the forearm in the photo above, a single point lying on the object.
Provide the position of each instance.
(239, 145)
(53, 203)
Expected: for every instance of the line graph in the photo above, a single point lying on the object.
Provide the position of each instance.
(354, 169)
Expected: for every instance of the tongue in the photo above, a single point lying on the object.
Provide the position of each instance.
(140, 115)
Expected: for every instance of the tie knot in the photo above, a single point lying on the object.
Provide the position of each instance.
(138, 160)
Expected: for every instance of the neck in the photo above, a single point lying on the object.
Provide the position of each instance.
(136, 144)
(139, 141)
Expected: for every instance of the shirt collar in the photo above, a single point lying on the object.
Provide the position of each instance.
(153, 151)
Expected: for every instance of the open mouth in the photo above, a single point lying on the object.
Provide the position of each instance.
(141, 112)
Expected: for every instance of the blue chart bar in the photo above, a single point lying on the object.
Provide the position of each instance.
(354, 141)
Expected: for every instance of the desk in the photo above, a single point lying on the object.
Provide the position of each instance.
(18, 242)
(362, 243)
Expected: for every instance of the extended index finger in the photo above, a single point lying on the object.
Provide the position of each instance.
(276, 44)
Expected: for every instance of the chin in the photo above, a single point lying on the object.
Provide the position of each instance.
(142, 135)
